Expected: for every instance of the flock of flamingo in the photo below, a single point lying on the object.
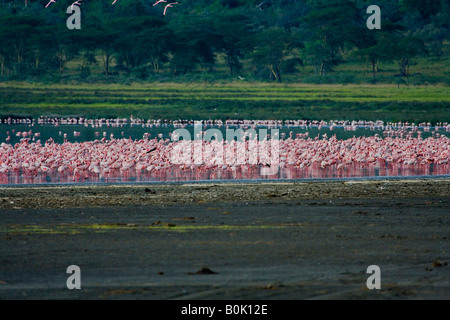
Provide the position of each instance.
(246, 123)
(109, 157)
(79, 2)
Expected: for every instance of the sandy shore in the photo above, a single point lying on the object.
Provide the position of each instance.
(283, 240)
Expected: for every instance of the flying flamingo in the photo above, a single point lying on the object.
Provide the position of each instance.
(170, 5)
(77, 3)
(158, 2)
(50, 2)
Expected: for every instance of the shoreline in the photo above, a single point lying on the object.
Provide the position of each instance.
(230, 181)
(139, 194)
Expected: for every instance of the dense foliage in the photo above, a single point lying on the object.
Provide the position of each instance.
(204, 40)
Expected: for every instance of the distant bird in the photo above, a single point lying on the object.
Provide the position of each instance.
(114, 1)
(50, 2)
(158, 2)
(240, 78)
(170, 5)
(77, 3)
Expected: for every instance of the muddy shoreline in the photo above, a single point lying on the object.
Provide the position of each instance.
(262, 241)
(73, 196)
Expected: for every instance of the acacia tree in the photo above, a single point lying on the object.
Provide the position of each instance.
(128, 55)
(275, 49)
(407, 49)
(66, 48)
(235, 32)
(153, 37)
(24, 44)
(330, 27)
(156, 48)
(42, 47)
(195, 43)
(375, 46)
(5, 49)
(103, 40)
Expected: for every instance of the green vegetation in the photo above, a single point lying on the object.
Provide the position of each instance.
(222, 59)
(221, 40)
(237, 100)
(105, 227)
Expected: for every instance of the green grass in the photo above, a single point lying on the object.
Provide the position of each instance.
(104, 228)
(237, 100)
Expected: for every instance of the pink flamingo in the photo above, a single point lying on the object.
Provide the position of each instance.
(158, 2)
(114, 1)
(77, 3)
(50, 2)
(170, 5)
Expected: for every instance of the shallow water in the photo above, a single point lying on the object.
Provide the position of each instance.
(176, 174)
(81, 133)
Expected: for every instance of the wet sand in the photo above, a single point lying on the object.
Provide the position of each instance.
(266, 240)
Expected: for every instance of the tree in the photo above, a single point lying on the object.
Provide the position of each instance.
(375, 46)
(158, 40)
(196, 42)
(18, 33)
(235, 32)
(276, 49)
(407, 50)
(65, 48)
(331, 26)
(154, 37)
(42, 45)
(426, 8)
(103, 40)
(437, 31)
(7, 41)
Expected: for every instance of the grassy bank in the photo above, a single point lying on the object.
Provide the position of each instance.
(237, 100)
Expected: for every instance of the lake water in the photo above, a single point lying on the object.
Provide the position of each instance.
(175, 174)
(80, 133)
